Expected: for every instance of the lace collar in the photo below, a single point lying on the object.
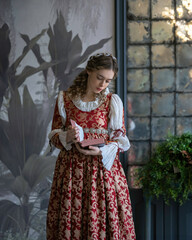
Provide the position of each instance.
(89, 106)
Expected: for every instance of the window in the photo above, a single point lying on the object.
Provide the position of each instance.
(159, 74)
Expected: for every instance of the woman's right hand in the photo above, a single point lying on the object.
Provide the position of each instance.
(72, 134)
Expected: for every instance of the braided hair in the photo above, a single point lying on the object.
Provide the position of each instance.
(95, 62)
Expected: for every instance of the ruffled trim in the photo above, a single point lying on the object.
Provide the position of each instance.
(89, 106)
(53, 132)
(62, 137)
(123, 141)
(108, 153)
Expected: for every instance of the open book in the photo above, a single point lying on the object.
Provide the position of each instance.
(99, 142)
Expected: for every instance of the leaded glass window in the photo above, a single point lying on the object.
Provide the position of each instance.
(159, 74)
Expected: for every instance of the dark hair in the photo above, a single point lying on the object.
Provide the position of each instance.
(95, 62)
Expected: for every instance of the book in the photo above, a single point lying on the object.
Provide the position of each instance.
(98, 142)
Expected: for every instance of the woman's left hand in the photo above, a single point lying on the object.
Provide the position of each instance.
(91, 151)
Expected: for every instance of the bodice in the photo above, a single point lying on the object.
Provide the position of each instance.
(93, 121)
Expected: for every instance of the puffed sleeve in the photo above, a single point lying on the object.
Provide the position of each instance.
(118, 139)
(57, 136)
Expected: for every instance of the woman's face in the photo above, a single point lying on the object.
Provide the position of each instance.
(98, 80)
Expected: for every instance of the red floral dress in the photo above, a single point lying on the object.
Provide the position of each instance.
(87, 201)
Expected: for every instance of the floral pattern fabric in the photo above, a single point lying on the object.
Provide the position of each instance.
(87, 201)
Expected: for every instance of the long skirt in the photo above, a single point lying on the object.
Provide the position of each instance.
(88, 202)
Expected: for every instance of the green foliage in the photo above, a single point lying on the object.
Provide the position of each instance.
(169, 172)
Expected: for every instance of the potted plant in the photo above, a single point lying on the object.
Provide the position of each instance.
(168, 173)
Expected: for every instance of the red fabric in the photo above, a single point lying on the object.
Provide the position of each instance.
(88, 202)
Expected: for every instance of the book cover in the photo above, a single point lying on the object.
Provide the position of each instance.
(99, 142)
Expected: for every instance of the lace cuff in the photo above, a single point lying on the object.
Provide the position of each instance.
(62, 138)
(121, 138)
(109, 152)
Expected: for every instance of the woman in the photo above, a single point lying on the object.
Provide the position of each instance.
(89, 197)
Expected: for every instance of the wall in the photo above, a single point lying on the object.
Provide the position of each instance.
(29, 83)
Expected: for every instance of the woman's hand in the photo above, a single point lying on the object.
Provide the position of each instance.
(72, 135)
(91, 151)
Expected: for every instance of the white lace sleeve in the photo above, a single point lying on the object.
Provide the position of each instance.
(62, 113)
(117, 133)
(116, 112)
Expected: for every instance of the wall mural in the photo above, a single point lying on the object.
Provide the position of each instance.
(26, 164)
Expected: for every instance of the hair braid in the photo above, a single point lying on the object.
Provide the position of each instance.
(96, 62)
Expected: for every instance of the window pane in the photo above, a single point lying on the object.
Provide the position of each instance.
(138, 80)
(183, 31)
(139, 8)
(184, 55)
(163, 104)
(184, 104)
(184, 80)
(163, 80)
(138, 152)
(140, 104)
(161, 127)
(138, 31)
(184, 124)
(162, 56)
(162, 32)
(141, 130)
(184, 9)
(138, 56)
(162, 8)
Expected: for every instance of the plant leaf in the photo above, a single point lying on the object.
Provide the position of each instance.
(26, 49)
(89, 51)
(12, 144)
(6, 180)
(38, 168)
(64, 85)
(13, 216)
(5, 47)
(19, 187)
(74, 61)
(36, 121)
(74, 52)
(37, 53)
(25, 133)
(29, 71)
(59, 44)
